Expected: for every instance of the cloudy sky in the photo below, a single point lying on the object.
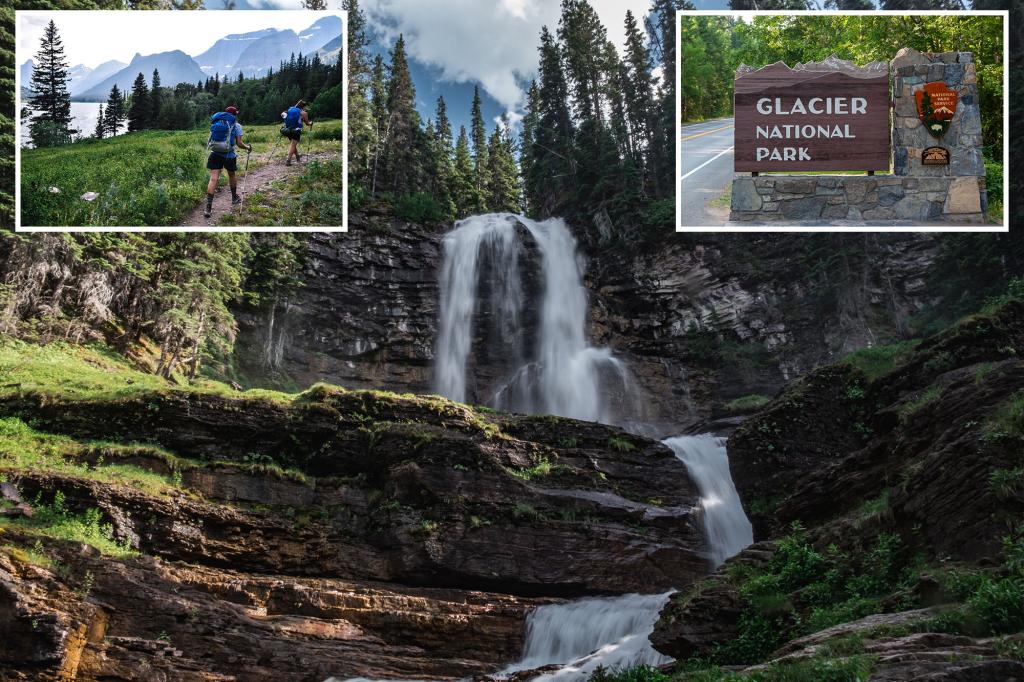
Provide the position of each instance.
(455, 44)
(86, 35)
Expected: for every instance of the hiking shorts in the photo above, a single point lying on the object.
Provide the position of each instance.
(292, 134)
(216, 162)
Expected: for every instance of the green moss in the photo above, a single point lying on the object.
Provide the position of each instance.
(25, 449)
(877, 361)
(874, 508)
(911, 407)
(747, 403)
(1007, 422)
(1007, 483)
(621, 444)
(55, 521)
(68, 371)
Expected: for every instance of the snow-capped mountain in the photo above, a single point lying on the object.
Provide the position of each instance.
(175, 67)
(76, 75)
(96, 76)
(221, 57)
(254, 54)
(322, 32)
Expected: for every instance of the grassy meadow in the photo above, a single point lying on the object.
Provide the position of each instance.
(150, 178)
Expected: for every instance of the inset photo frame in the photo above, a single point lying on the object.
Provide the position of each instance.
(833, 121)
(189, 121)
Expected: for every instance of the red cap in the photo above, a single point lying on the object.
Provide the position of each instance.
(232, 110)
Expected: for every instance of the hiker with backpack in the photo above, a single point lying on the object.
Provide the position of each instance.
(225, 133)
(292, 128)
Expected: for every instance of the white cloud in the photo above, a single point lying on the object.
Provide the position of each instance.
(85, 33)
(493, 43)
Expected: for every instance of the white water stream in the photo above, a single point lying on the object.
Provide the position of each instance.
(725, 523)
(563, 375)
(590, 633)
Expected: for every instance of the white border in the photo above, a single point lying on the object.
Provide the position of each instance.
(858, 229)
(201, 15)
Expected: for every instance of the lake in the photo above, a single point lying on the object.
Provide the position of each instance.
(83, 117)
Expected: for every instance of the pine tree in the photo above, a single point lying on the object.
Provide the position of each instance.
(583, 40)
(504, 191)
(51, 102)
(115, 114)
(480, 155)
(139, 114)
(463, 178)
(661, 156)
(403, 125)
(552, 167)
(362, 133)
(156, 100)
(378, 88)
(99, 131)
(314, 4)
(443, 161)
(531, 120)
(638, 90)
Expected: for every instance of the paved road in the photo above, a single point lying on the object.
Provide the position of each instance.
(707, 171)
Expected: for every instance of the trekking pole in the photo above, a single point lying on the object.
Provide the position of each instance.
(309, 141)
(245, 175)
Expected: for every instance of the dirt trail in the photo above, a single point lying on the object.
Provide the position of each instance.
(259, 178)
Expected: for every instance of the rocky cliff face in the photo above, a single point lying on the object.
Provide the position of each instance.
(700, 322)
(902, 467)
(347, 562)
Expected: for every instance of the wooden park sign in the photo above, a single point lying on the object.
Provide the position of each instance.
(820, 116)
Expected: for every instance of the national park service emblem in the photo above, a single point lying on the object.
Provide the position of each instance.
(936, 104)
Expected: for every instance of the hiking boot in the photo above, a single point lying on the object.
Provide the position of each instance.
(236, 200)
(298, 157)
(288, 162)
(207, 211)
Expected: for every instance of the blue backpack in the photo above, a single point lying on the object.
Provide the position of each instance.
(293, 119)
(222, 133)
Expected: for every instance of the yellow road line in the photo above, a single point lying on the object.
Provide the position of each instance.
(706, 132)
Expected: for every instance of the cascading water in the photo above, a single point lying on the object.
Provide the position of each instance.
(726, 525)
(565, 375)
(496, 235)
(590, 633)
(564, 378)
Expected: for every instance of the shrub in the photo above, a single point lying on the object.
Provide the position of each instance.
(418, 208)
(747, 403)
(621, 444)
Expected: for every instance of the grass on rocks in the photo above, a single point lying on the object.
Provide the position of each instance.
(150, 178)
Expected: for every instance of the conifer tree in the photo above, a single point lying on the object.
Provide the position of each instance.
(115, 114)
(139, 113)
(362, 131)
(403, 125)
(552, 168)
(463, 178)
(444, 161)
(526, 149)
(156, 100)
(50, 101)
(480, 155)
(99, 131)
(504, 192)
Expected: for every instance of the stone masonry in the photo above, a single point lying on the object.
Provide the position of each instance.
(912, 193)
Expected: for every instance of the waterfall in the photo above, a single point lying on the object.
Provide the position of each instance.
(588, 633)
(726, 525)
(495, 234)
(565, 375)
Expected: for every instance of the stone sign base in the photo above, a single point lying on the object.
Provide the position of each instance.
(782, 198)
